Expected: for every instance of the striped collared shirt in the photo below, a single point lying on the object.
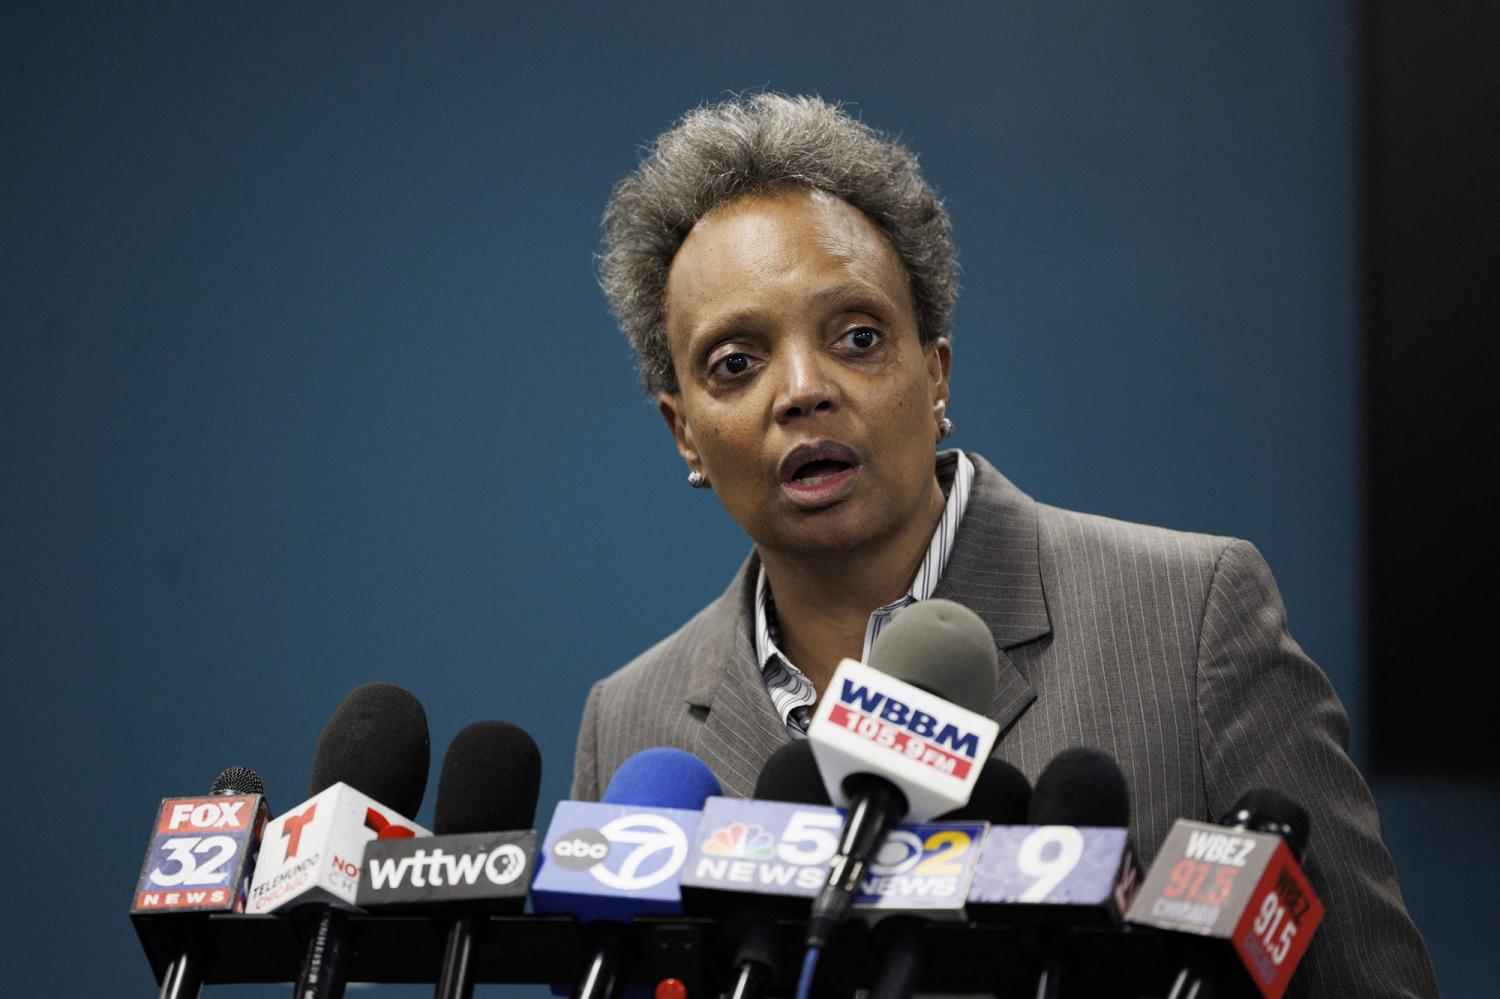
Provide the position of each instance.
(791, 692)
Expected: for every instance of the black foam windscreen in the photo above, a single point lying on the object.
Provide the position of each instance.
(791, 774)
(1001, 797)
(944, 648)
(1081, 787)
(376, 742)
(1265, 810)
(489, 782)
(238, 780)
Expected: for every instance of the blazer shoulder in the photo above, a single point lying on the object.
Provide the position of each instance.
(670, 664)
(1009, 520)
(660, 697)
(1061, 530)
(1091, 561)
(632, 708)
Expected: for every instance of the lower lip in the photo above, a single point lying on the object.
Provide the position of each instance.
(830, 489)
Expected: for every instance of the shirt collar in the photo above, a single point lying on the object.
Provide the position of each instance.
(789, 689)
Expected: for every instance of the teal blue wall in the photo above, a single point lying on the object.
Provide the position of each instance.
(305, 381)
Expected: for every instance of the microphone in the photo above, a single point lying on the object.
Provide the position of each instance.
(662, 777)
(200, 859)
(1237, 883)
(369, 772)
(1083, 788)
(779, 849)
(481, 858)
(901, 737)
(789, 775)
(1269, 811)
(754, 860)
(1072, 862)
(606, 862)
(237, 780)
(1000, 797)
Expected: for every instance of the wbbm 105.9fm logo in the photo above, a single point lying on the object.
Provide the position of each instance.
(629, 853)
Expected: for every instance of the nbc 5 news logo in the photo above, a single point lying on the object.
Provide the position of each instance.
(629, 853)
(782, 848)
(810, 839)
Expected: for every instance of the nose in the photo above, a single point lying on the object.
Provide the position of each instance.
(807, 386)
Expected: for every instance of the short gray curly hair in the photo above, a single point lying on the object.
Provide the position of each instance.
(754, 145)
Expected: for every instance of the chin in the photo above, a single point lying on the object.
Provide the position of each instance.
(822, 532)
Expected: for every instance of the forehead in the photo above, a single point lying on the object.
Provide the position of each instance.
(778, 250)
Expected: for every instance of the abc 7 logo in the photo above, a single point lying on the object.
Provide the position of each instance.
(658, 848)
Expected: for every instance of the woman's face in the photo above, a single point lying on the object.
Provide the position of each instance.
(805, 392)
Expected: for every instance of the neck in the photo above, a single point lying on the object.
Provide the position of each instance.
(824, 600)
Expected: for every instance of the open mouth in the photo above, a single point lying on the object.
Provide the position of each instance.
(815, 473)
(819, 473)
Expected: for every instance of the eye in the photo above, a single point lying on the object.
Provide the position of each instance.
(862, 338)
(731, 365)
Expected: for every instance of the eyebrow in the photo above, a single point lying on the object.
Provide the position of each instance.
(720, 326)
(840, 296)
(848, 293)
(834, 296)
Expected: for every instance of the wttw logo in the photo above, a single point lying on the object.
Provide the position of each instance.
(438, 868)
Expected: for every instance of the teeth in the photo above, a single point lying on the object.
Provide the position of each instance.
(813, 480)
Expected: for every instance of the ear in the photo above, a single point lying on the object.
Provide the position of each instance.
(939, 365)
(669, 404)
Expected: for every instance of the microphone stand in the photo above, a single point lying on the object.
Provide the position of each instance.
(183, 979)
(456, 978)
(325, 968)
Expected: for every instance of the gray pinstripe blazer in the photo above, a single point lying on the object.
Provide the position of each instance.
(1168, 650)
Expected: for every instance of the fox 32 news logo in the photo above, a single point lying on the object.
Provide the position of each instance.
(629, 853)
(201, 854)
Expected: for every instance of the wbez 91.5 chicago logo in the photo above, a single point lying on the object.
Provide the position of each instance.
(629, 853)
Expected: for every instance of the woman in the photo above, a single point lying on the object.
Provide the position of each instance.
(787, 279)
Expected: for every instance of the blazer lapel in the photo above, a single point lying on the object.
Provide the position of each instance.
(995, 571)
(742, 727)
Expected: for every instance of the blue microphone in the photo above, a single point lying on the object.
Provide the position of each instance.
(662, 777)
(606, 862)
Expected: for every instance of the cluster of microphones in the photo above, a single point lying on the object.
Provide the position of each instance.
(887, 853)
